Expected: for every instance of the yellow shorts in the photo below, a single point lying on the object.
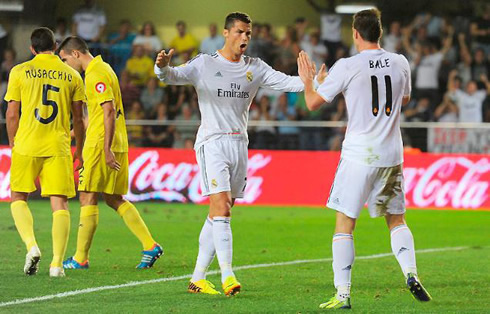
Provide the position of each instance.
(96, 176)
(55, 174)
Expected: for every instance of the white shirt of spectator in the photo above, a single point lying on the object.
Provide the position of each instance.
(225, 90)
(330, 27)
(210, 44)
(428, 70)
(391, 42)
(370, 140)
(89, 22)
(152, 41)
(470, 106)
(316, 53)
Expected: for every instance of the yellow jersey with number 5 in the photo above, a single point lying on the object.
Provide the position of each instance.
(101, 85)
(46, 88)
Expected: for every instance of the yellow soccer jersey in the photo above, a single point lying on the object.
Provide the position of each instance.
(101, 85)
(46, 88)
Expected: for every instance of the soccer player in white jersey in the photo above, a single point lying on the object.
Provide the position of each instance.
(226, 82)
(375, 84)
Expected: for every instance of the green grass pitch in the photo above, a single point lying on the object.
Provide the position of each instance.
(459, 280)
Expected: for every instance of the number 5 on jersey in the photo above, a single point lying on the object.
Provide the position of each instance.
(389, 95)
(48, 102)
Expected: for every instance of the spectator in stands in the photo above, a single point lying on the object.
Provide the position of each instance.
(310, 138)
(179, 96)
(480, 30)
(9, 61)
(418, 111)
(148, 39)
(135, 132)
(61, 31)
(300, 26)
(139, 66)
(129, 91)
(212, 43)
(392, 41)
(186, 132)
(470, 101)
(315, 49)
(480, 64)
(89, 22)
(265, 136)
(120, 45)
(330, 28)
(447, 111)
(427, 61)
(184, 43)
(160, 135)
(287, 135)
(151, 95)
(340, 114)
(3, 41)
(288, 53)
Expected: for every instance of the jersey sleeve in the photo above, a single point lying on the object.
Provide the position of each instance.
(276, 80)
(335, 82)
(101, 88)
(13, 88)
(407, 88)
(79, 91)
(185, 74)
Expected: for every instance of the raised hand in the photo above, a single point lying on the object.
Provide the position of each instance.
(322, 74)
(163, 58)
(306, 68)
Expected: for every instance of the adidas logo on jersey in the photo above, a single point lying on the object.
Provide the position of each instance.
(218, 74)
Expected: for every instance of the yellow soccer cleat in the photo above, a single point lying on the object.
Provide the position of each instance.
(231, 286)
(202, 286)
(335, 304)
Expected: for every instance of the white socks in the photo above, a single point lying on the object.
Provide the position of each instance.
(206, 251)
(404, 249)
(223, 242)
(343, 258)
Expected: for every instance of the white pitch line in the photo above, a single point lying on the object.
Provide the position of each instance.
(145, 282)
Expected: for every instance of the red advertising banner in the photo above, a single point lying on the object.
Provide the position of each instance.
(297, 178)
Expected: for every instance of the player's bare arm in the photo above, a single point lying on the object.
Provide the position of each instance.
(79, 131)
(163, 58)
(13, 116)
(109, 129)
(306, 71)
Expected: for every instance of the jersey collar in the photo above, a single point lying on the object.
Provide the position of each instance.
(45, 56)
(94, 62)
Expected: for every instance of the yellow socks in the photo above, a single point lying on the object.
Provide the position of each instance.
(89, 219)
(60, 233)
(133, 220)
(24, 223)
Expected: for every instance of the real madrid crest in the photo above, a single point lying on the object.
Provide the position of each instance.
(250, 76)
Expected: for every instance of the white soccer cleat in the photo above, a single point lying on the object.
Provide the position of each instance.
(32, 261)
(56, 272)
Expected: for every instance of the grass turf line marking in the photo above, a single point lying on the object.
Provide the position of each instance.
(214, 272)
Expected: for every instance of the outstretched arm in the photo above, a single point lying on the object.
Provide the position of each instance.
(182, 75)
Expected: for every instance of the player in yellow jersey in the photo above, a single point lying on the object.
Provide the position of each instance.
(39, 134)
(105, 155)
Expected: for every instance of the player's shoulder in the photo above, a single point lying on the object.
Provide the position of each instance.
(69, 70)
(18, 68)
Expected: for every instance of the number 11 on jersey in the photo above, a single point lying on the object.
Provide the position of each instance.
(375, 95)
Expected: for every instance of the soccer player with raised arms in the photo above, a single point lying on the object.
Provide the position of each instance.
(105, 154)
(41, 95)
(226, 82)
(375, 84)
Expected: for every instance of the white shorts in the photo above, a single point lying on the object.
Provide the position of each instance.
(354, 184)
(223, 166)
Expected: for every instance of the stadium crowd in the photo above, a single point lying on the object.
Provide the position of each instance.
(449, 57)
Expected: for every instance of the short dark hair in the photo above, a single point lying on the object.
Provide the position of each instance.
(368, 24)
(180, 23)
(236, 16)
(42, 39)
(73, 43)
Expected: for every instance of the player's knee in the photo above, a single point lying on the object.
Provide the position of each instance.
(221, 208)
(395, 220)
(87, 199)
(113, 201)
(18, 196)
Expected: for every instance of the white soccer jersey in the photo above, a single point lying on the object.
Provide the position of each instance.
(225, 90)
(373, 83)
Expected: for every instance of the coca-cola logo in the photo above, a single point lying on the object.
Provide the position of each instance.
(449, 182)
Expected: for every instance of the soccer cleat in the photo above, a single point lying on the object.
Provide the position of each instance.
(71, 263)
(32, 261)
(149, 257)
(336, 304)
(231, 286)
(418, 291)
(202, 286)
(56, 272)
